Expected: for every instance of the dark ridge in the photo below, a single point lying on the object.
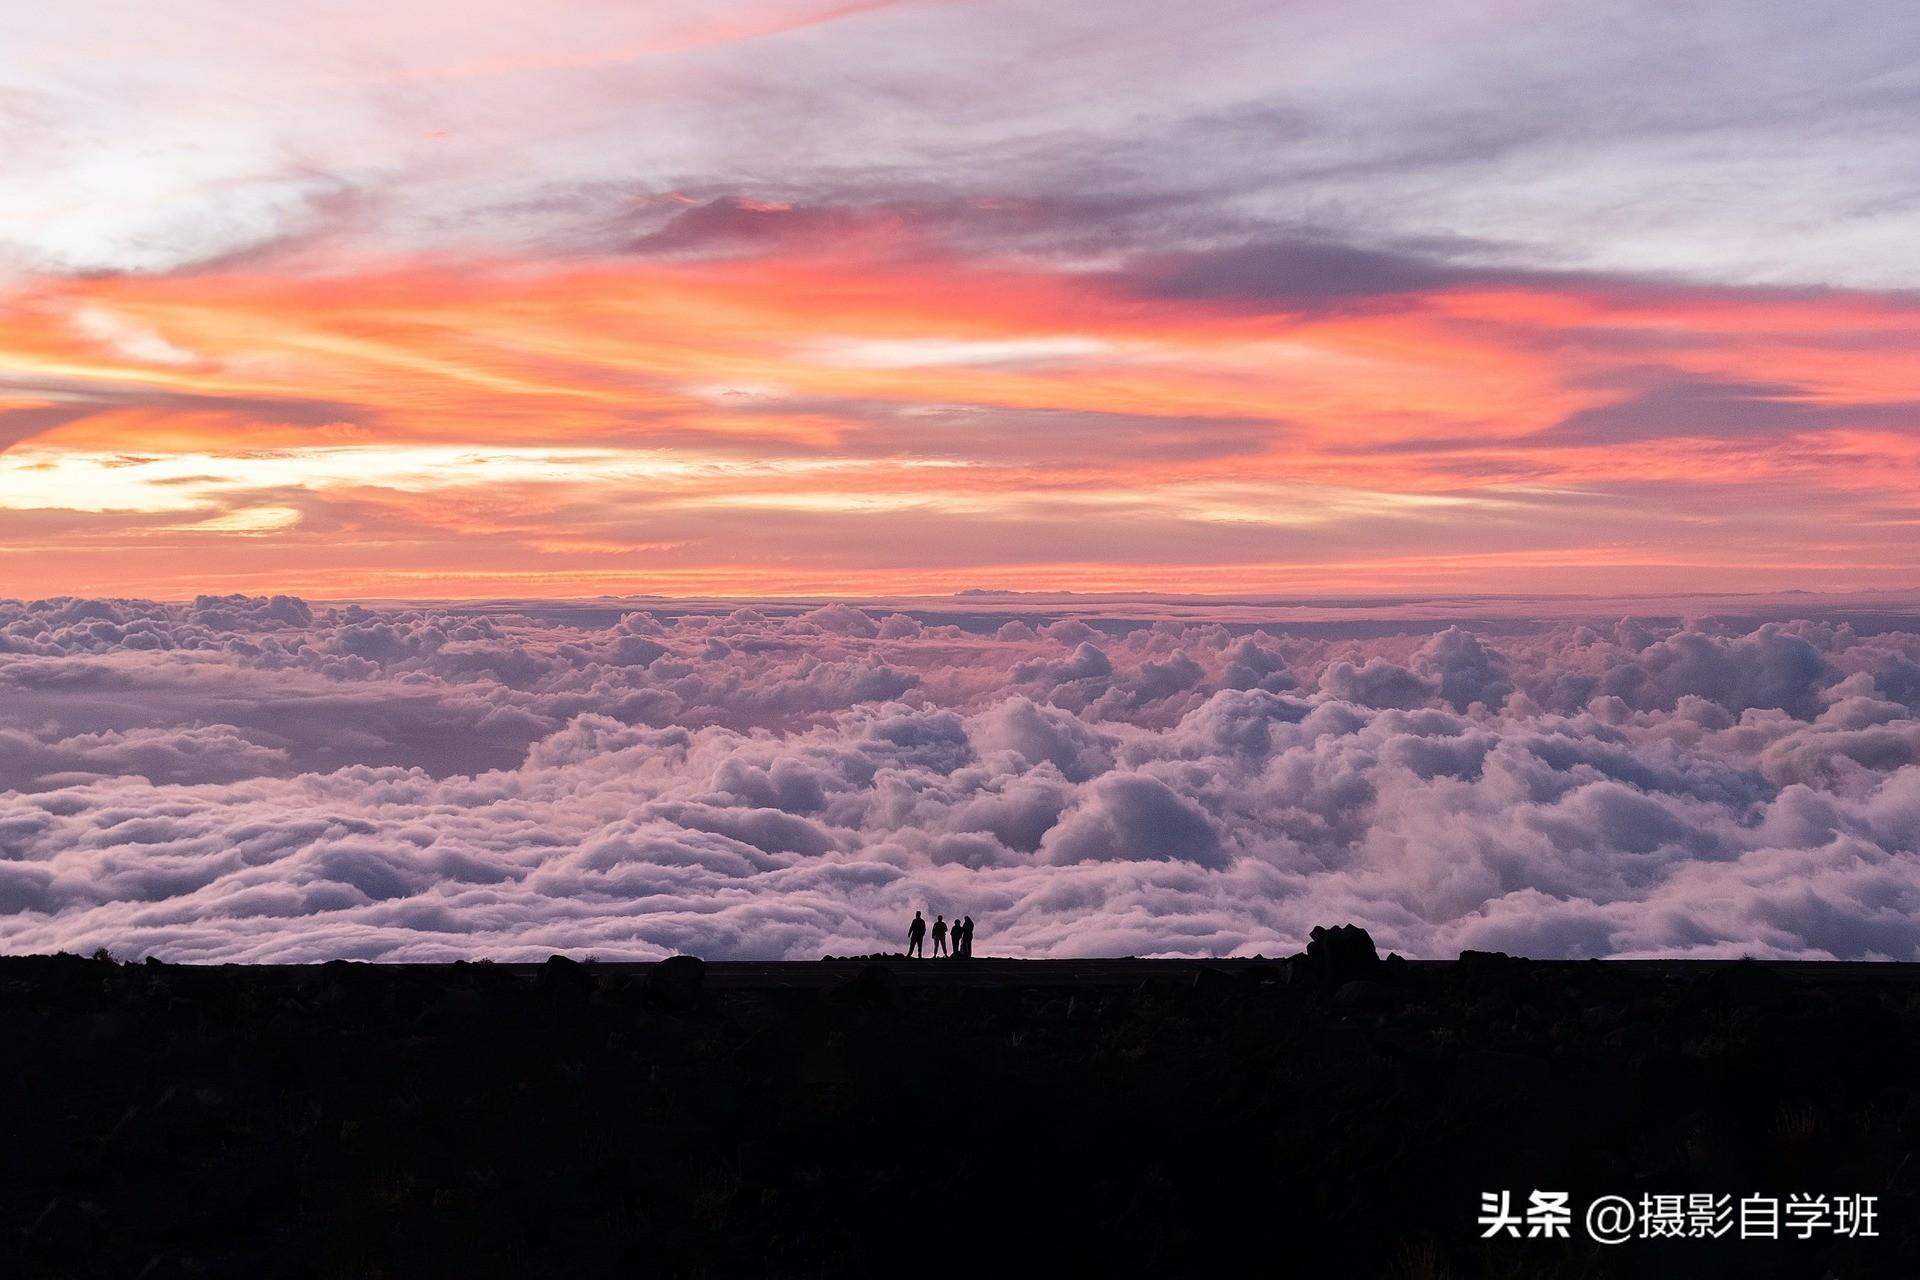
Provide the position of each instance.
(865, 1116)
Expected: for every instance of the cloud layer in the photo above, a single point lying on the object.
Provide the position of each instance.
(261, 779)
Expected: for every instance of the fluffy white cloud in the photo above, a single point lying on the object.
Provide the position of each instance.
(261, 780)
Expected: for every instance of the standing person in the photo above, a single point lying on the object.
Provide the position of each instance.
(966, 937)
(939, 935)
(916, 934)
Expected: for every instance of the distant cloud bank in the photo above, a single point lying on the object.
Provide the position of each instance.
(261, 779)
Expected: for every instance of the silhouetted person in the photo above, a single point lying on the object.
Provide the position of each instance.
(966, 937)
(916, 933)
(939, 935)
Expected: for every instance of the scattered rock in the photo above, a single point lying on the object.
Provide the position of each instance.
(419, 1121)
(1360, 995)
(1264, 973)
(1215, 984)
(1494, 1071)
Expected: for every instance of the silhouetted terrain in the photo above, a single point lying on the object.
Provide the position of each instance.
(975, 1117)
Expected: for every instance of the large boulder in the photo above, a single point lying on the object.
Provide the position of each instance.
(1343, 953)
(563, 978)
(674, 983)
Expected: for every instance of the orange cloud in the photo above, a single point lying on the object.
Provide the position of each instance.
(810, 422)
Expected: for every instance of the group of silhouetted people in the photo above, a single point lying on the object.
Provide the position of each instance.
(960, 934)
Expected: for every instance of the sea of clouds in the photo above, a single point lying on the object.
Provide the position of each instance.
(267, 780)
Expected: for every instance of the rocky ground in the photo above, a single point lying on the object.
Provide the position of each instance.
(975, 1117)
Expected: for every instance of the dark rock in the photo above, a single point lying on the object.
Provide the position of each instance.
(1266, 973)
(1494, 979)
(1348, 1045)
(1339, 954)
(1360, 995)
(1407, 1045)
(347, 987)
(1215, 984)
(561, 976)
(675, 982)
(1500, 1071)
(1496, 1072)
(874, 987)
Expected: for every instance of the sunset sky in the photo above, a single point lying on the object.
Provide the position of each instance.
(792, 296)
